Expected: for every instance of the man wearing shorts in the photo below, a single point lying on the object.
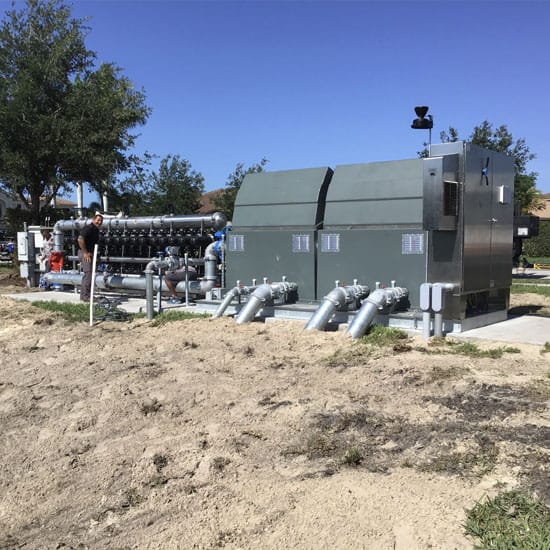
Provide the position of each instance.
(172, 278)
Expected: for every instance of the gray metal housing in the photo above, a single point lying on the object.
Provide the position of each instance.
(275, 224)
(447, 218)
(444, 219)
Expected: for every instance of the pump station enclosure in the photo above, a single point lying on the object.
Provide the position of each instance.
(446, 218)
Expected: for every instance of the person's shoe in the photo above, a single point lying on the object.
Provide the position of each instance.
(174, 300)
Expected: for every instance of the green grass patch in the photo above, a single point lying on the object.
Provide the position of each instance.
(352, 457)
(538, 259)
(173, 316)
(382, 337)
(80, 313)
(543, 289)
(511, 520)
(444, 345)
(74, 313)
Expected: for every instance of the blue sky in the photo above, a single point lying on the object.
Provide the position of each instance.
(322, 83)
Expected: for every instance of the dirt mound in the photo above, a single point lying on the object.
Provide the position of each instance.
(205, 434)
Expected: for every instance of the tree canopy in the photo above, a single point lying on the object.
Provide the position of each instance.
(176, 188)
(500, 139)
(225, 201)
(62, 120)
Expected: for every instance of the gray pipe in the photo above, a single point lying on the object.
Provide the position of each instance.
(439, 290)
(228, 298)
(380, 298)
(131, 260)
(263, 294)
(150, 268)
(426, 320)
(210, 279)
(335, 300)
(107, 282)
(215, 221)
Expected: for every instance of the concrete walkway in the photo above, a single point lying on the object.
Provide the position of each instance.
(528, 329)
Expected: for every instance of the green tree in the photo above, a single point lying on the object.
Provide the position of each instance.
(128, 194)
(176, 188)
(225, 201)
(61, 120)
(500, 139)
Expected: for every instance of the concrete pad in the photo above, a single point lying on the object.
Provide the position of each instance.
(528, 329)
(129, 304)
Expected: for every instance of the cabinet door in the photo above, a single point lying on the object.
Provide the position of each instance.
(478, 191)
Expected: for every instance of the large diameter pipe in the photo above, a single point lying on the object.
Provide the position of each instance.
(253, 305)
(109, 282)
(132, 260)
(336, 299)
(230, 296)
(264, 293)
(380, 298)
(215, 221)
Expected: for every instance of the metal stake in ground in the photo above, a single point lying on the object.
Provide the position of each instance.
(94, 262)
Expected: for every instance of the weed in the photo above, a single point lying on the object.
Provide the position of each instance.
(473, 350)
(160, 461)
(545, 348)
(356, 357)
(509, 520)
(219, 463)
(131, 498)
(352, 457)
(150, 406)
(381, 337)
(157, 480)
(476, 462)
(438, 373)
(318, 445)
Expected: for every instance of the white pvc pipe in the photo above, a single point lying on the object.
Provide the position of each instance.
(94, 262)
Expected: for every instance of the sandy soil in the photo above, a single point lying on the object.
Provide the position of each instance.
(205, 434)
